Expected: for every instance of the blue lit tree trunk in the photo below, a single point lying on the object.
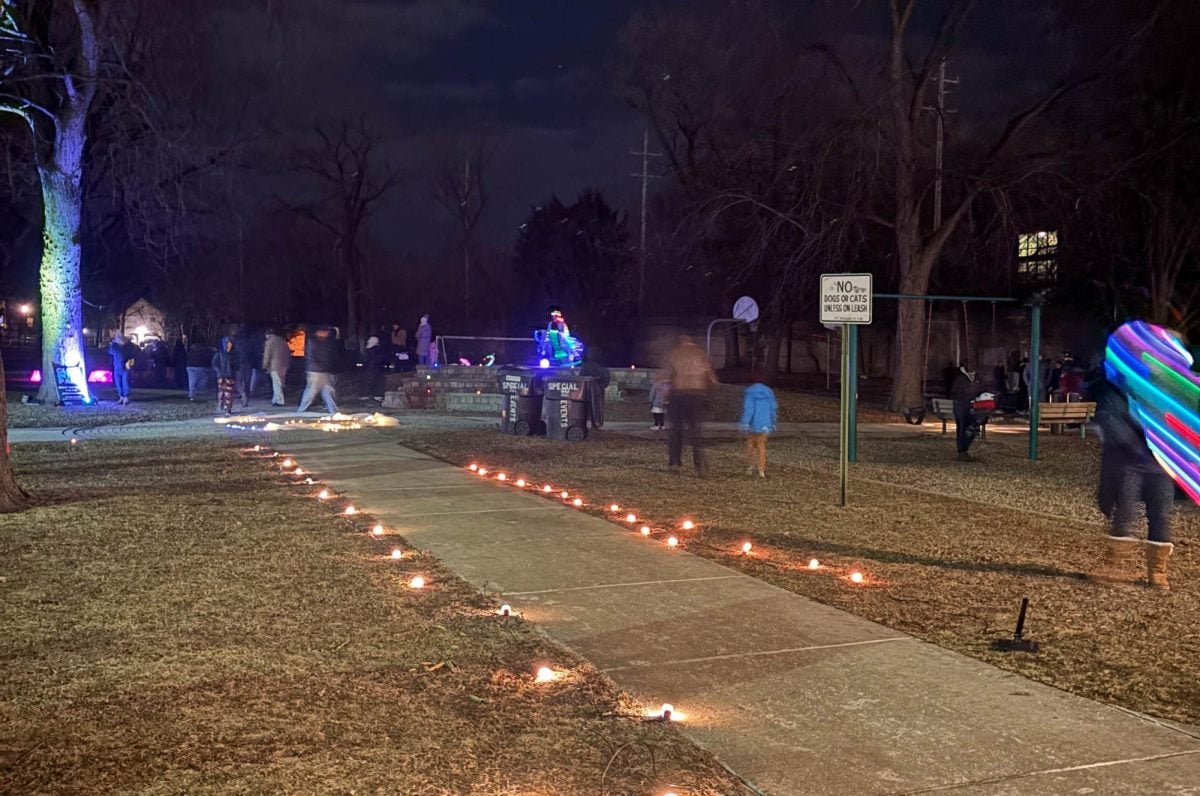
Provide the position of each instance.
(61, 298)
(49, 71)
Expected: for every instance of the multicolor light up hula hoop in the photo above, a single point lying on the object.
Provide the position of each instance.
(1152, 368)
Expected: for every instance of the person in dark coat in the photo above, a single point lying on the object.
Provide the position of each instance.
(249, 348)
(375, 360)
(199, 369)
(963, 392)
(1129, 475)
(225, 365)
(124, 356)
(321, 359)
(179, 363)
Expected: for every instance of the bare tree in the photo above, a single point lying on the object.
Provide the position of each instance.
(49, 70)
(918, 250)
(351, 184)
(459, 188)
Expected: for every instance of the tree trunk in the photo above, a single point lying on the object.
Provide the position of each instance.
(12, 497)
(774, 345)
(61, 296)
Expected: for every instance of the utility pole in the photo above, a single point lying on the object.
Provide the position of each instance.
(466, 214)
(645, 176)
(940, 115)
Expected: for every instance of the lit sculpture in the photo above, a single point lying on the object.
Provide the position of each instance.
(555, 346)
(1152, 368)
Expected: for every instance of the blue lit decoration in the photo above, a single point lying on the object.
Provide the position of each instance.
(1152, 368)
(555, 346)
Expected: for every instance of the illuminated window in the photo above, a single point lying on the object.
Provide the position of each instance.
(1037, 256)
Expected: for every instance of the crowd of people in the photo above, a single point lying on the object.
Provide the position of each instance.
(246, 358)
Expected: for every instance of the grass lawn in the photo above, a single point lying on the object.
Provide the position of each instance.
(146, 407)
(177, 620)
(950, 567)
(726, 403)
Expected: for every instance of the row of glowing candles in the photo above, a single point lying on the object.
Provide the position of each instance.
(747, 547)
(543, 674)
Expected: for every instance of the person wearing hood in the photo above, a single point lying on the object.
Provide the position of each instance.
(424, 340)
(124, 357)
(374, 363)
(963, 393)
(321, 357)
(759, 411)
(225, 365)
(275, 361)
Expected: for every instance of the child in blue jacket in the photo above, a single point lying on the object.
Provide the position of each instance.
(758, 421)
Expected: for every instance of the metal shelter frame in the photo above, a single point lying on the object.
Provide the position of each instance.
(850, 374)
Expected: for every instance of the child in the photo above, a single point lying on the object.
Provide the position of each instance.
(660, 395)
(758, 420)
(224, 363)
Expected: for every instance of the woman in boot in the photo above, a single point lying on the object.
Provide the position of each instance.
(1129, 474)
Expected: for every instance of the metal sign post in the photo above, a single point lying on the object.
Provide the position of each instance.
(847, 300)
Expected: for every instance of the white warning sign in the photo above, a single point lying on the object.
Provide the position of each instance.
(846, 298)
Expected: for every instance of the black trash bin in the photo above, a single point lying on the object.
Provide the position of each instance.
(521, 402)
(566, 407)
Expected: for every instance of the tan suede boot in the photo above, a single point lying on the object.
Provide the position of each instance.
(1120, 552)
(1157, 554)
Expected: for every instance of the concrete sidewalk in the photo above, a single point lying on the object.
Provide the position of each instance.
(796, 697)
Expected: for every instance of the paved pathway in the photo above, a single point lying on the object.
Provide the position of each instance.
(796, 697)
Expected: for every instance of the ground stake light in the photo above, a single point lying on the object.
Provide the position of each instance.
(350, 511)
(688, 525)
(614, 508)
(856, 577)
(286, 463)
(323, 494)
(645, 530)
(397, 554)
(564, 494)
(473, 467)
(1017, 643)
(502, 477)
(814, 563)
(377, 530)
(505, 610)
(546, 675)
(747, 547)
(547, 489)
(417, 583)
(521, 482)
(672, 541)
(631, 518)
(578, 502)
(482, 471)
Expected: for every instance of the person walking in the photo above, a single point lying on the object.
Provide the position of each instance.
(691, 378)
(1129, 475)
(660, 397)
(124, 357)
(249, 359)
(276, 359)
(424, 340)
(199, 369)
(965, 428)
(321, 358)
(759, 411)
(225, 366)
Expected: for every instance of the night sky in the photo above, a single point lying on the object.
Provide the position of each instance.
(538, 80)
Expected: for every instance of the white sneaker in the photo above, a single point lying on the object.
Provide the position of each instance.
(653, 427)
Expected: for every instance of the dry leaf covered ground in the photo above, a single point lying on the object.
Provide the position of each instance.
(948, 549)
(178, 620)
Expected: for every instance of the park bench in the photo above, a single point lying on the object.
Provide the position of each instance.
(1059, 415)
(943, 410)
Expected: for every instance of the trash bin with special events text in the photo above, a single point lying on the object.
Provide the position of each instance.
(521, 401)
(565, 408)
